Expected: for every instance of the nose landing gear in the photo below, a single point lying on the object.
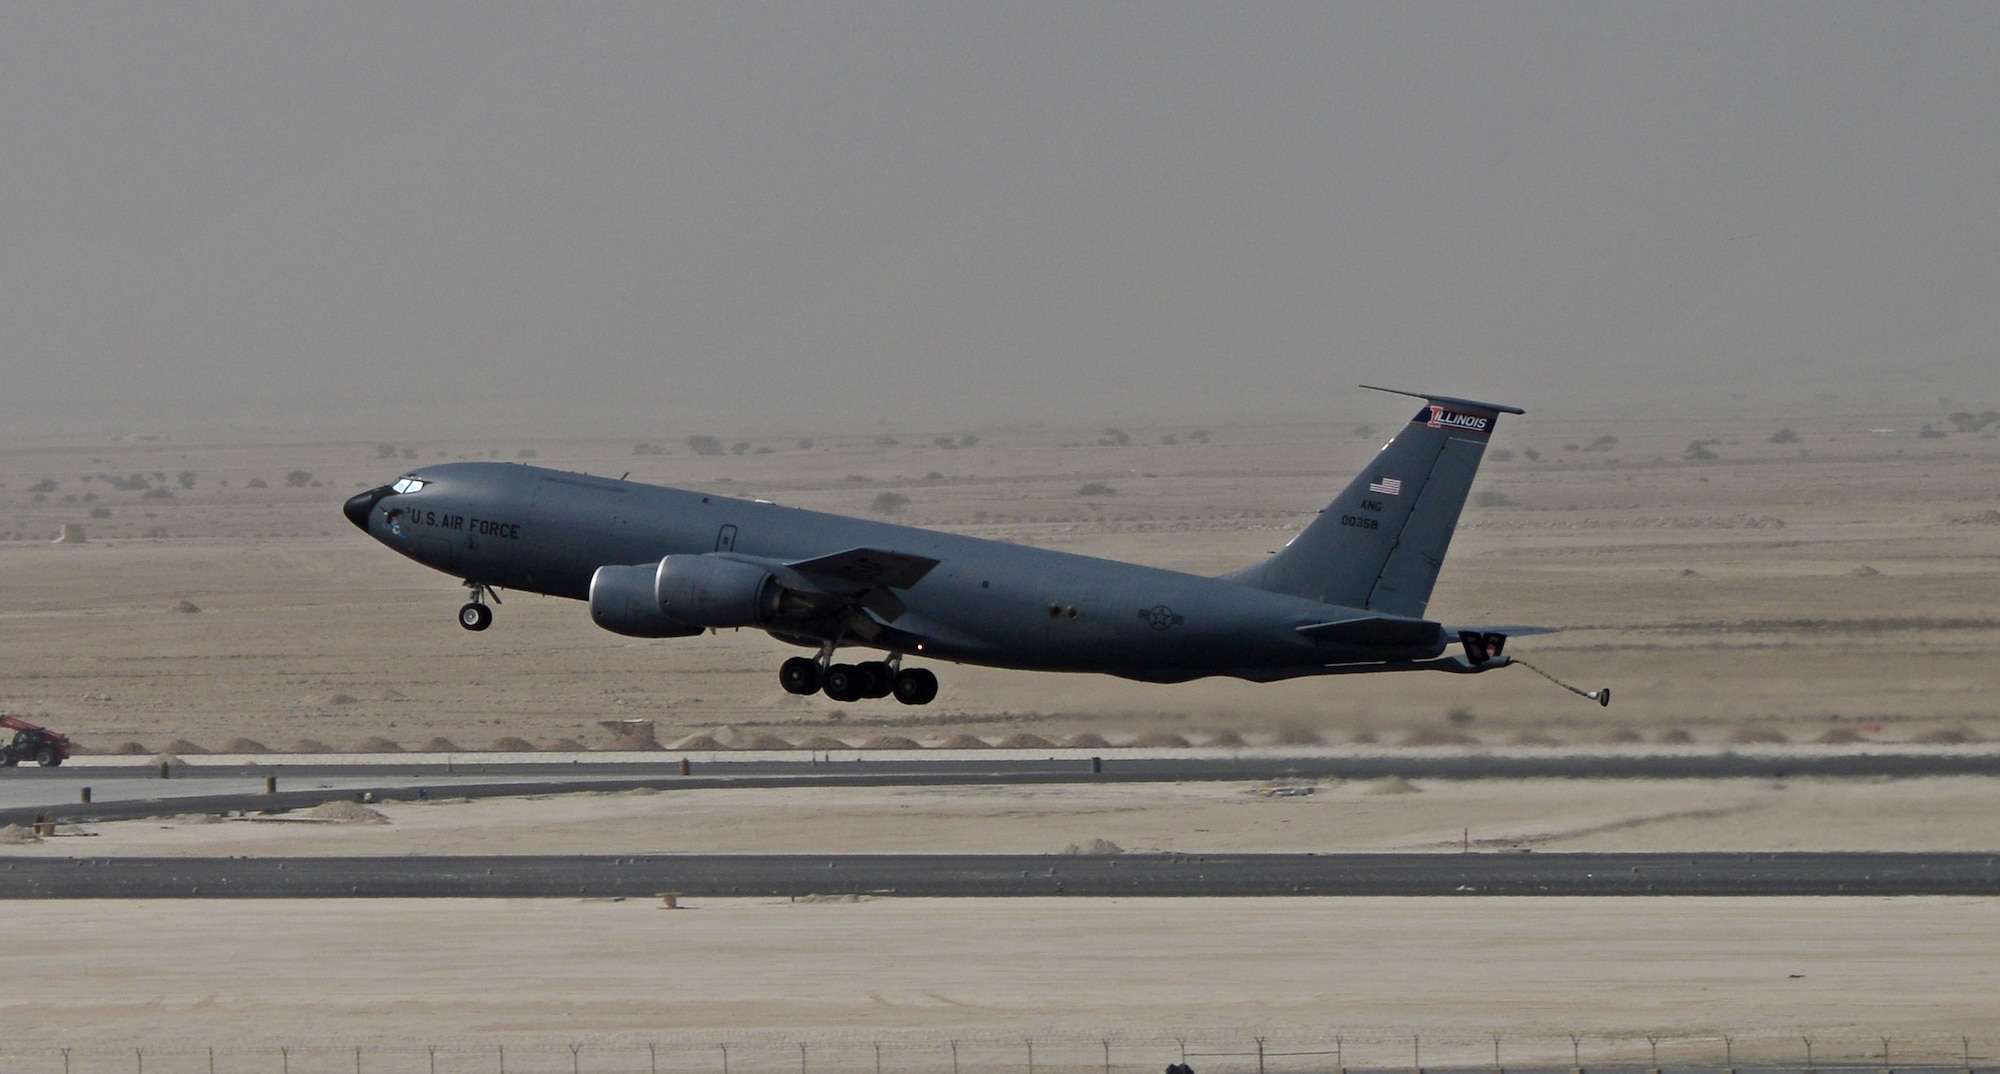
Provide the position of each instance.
(804, 675)
(474, 614)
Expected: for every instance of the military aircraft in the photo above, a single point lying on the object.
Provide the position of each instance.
(1346, 595)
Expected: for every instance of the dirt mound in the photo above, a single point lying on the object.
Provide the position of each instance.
(346, 813)
(628, 735)
(184, 747)
(309, 745)
(1022, 740)
(1297, 736)
(728, 734)
(340, 699)
(1160, 740)
(1089, 740)
(1839, 736)
(14, 835)
(439, 744)
(1095, 848)
(245, 745)
(891, 742)
(510, 744)
(816, 898)
(1675, 736)
(564, 745)
(188, 607)
(1389, 785)
(767, 741)
(700, 742)
(1225, 740)
(189, 820)
(963, 741)
(1943, 736)
(378, 744)
(1531, 738)
(1756, 736)
(1865, 571)
(130, 749)
(821, 742)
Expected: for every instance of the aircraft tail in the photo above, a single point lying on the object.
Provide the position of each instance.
(1379, 545)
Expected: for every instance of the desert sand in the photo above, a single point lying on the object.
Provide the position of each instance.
(1832, 584)
(1838, 582)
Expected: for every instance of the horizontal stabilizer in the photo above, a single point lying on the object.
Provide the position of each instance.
(867, 567)
(1374, 631)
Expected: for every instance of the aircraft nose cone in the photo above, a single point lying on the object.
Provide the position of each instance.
(357, 507)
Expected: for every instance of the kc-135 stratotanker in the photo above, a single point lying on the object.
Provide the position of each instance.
(1345, 596)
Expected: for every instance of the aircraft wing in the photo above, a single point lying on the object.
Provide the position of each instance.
(868, 567)
(865, 576)
(1373, 631)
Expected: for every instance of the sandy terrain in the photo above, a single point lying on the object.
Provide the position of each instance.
(1842, 582)
(1839, 584)
(1943, 814)
(244, 977)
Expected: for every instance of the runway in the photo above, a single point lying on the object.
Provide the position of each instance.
(127, 788)
(990, 876)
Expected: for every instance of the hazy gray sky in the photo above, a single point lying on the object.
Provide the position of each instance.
(406, 216)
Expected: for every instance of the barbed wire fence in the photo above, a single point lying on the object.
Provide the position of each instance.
(768, 1052)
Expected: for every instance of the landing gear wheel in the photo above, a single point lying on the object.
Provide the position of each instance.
(47, 757)
(845, 682)
(475, 617)
(914, 686)
(880, 678)
(799, 675)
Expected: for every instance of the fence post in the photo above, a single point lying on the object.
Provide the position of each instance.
(878, 1058)
(1653, 1041)
(1809, 1066)
(725, 1057)
(1031, 1055)
(954, 1057)
(1107, 1056)
(1260, 1055)
(1576, 1052)
(573, 1060)
(434, 1058)
(1497, 1068)
(802, 1057)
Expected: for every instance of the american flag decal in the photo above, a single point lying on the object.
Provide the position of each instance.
(1387, 486)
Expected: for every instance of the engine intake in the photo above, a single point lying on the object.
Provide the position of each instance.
(709, 591)
(623, 601)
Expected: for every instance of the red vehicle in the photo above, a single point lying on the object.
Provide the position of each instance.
(31, 743)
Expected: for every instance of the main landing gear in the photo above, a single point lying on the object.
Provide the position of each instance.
(474, 614)
(851, 682)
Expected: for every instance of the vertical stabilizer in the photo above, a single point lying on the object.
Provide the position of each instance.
(1380, 544)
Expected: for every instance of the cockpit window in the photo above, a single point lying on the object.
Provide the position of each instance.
(407, 484)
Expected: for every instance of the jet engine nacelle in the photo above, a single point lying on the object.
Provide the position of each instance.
(711, 591)
(623, 601)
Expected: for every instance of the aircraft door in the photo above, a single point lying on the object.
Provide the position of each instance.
(725, 539)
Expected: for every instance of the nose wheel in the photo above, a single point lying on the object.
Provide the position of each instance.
(475, 614)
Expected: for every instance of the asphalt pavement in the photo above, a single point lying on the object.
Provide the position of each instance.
(1005, 875)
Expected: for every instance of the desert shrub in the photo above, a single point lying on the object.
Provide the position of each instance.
(47, 484)
(1114, 438)
(256, 483)
(705, 445)
(298, 479)
(1698, 451)
(1491, 498)
(740, 447)
(886, 441)
(1097, 488)
(100, 512)
(889, 503)
(1784, 436)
